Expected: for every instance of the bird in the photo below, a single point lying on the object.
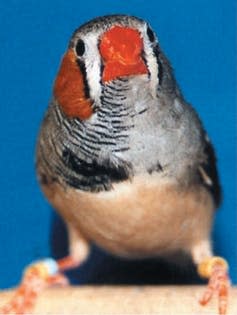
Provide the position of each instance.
(124, 158)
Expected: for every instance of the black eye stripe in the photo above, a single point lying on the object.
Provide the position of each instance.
(150, 34)
(80, 48)
(82, 67)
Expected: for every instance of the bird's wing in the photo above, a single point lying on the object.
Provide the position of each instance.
(208, 172)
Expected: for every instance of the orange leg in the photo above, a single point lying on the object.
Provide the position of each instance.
(47, 273)
(36, 278)
(67, 263)
(216, 270)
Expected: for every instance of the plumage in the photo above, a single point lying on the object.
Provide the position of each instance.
(128, 144)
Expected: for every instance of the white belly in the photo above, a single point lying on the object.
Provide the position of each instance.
(149, 216)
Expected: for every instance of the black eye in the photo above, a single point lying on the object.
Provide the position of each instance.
(150, 34)
(80, 47)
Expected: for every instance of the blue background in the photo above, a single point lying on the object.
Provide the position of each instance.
(199, 37)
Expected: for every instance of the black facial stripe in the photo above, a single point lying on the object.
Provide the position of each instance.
(159, 63)
(160, 71)
(101, 62)
(82, 67)
(145, 61)
(150, 34)
(101, 71)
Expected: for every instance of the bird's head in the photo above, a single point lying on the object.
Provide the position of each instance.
(104, 50)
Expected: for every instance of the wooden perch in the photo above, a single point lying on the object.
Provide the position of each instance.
(126, 300)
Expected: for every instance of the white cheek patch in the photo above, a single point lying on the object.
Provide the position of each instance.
(150, 60)
(93, 65)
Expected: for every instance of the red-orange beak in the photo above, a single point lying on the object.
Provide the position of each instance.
(121, 50)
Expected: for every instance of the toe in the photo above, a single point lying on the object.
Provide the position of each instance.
(216, 269)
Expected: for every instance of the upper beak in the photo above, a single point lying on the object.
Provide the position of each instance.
(121, 49)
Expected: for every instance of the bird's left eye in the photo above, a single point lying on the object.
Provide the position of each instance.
(80, 48)
(150, 34)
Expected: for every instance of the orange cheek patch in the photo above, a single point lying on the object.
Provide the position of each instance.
(69, 89)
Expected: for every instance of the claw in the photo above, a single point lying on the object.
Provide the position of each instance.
(57, 280)
(216, 269)
(24, 297)
(37, 277)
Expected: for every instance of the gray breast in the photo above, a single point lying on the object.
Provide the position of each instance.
(158, 133)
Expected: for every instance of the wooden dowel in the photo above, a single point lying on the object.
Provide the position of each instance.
(159, 300)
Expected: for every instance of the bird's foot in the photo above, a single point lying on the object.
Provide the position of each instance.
(37, 277)
(216, 270)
